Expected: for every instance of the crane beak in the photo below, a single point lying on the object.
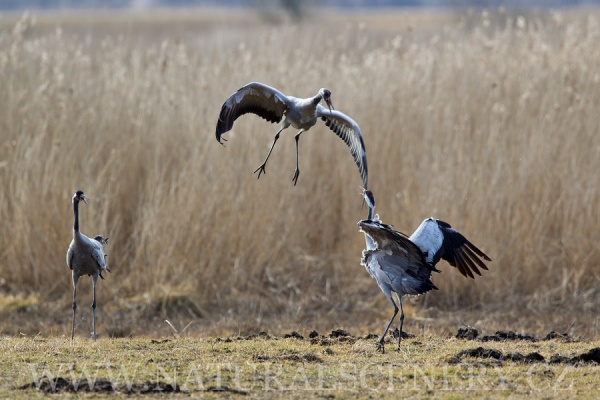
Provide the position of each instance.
(329, 104)
(364, 223)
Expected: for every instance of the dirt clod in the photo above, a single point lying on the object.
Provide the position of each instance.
(591, 356)
(555, 335)
(467, 333)
(262, 335)
(502, 336)
(61, 384)
(339, 333)
(405, 335)
(558, 359)
(481, 352)
(294, 335)
(225, 389)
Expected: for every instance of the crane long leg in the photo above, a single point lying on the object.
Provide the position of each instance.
(75, 279)
(297, 171)
(261, 168)
(381, 339)
(401, 321)
(94, 281)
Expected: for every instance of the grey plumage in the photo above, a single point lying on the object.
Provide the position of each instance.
(302, 114)
(85, 256)
(403, 264)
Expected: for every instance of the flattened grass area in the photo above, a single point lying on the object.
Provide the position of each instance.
(324, 366)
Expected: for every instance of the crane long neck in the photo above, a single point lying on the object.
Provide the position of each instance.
(317, 99)
(371, 210)
(76, 214)
(369, 241)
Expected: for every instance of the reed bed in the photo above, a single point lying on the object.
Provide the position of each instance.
(487, 121)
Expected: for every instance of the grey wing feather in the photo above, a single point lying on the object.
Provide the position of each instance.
(408, 274)
(348, 130)
(70, 254)
(256, 98)
(389, 239)
(100, 259)
(98, 254)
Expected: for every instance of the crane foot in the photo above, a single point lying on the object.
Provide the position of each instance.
(261, 170)
(296, 175)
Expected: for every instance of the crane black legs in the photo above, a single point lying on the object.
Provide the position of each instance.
(382, 338)
(297, 171)
(261, 168)
(94, 280)
(401, 321)
(75, 279)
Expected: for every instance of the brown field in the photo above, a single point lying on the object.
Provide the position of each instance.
(489, 122)
(276, 367)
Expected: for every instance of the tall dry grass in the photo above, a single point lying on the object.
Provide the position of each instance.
(489, 122)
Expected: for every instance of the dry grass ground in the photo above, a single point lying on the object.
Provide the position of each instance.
(487, 121)
(345, 367)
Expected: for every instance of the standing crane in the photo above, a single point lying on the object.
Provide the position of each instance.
(85, 256)
(272, 105)
(403, 264)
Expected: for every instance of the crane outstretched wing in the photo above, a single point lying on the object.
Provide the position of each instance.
(439, 240)
(347, 129)
(461, 253)
(256, 98)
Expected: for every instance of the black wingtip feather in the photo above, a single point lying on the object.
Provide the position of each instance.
(472, 256)
(477, 251)
(469, 261)
(464, 267)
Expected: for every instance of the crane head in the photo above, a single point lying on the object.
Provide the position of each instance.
(368, 226)
(80, 196)
(371, 226)
(101, 239)
(326, 95)
(369, 198)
